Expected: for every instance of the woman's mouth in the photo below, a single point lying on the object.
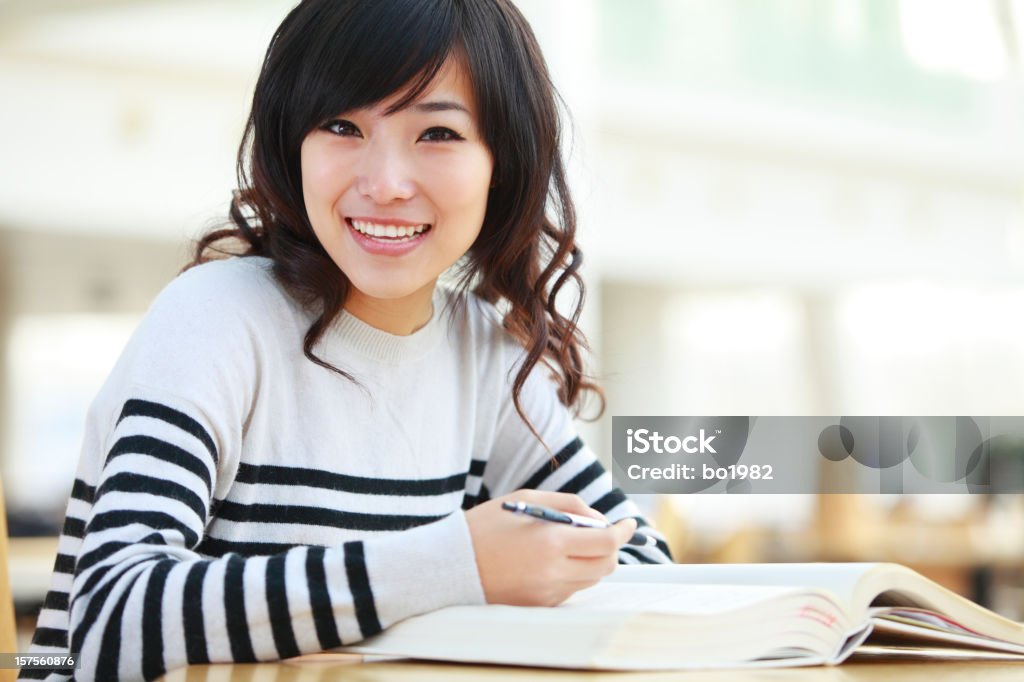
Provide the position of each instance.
(387, 231)
(385, 237)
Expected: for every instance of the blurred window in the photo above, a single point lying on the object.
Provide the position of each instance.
(56, 365)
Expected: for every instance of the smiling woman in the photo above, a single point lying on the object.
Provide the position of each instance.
(311, 439)
(397, 195)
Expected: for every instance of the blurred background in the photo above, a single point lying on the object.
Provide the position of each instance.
(787, 207)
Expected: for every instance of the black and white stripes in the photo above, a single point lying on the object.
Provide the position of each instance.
(573, 469)
(142, 530)
(235, 502)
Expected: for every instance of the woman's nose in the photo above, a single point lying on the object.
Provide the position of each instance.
(385, 175)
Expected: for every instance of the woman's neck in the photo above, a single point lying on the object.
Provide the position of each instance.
(398, 316)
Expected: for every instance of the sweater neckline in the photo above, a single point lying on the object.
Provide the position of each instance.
(351, 333)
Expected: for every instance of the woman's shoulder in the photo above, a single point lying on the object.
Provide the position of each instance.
(220, 299)
(497, 353)
(236, 286)
(236, 277)
(482, 322)
(471, 312)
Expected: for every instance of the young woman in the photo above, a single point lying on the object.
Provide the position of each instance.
(308, 438)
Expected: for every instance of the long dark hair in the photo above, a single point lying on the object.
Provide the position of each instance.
(331, 56)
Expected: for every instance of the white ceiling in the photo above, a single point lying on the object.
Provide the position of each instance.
(193, 38)
(125, 117)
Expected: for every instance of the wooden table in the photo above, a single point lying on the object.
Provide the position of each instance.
(415, 671)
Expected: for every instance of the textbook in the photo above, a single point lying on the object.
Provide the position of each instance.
(681, 616)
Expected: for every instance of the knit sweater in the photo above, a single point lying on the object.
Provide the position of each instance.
(235, 501)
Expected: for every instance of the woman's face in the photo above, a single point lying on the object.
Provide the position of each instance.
(395, 199)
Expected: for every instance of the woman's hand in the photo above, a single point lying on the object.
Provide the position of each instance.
(530, 562)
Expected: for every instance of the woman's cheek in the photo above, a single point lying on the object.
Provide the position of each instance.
(473, 182)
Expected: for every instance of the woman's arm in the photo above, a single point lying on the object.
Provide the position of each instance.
(575, 470)
(135, 591)
(143, 601)
(519, 461)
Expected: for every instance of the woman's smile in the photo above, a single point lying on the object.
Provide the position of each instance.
(387, 238)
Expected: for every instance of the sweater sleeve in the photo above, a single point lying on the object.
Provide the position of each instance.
(566, 464)
(161, 448)
(143, 601)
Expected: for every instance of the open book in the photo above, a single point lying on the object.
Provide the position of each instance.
(717, 616)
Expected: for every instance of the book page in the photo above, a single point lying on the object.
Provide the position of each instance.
(898, 587)
(838, 578)
(871, 651)
(890, 632)
(674, 598)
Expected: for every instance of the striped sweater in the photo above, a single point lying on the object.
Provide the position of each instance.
(236, 502)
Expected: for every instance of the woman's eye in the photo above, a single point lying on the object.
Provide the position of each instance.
(342, 127)
(440, 135)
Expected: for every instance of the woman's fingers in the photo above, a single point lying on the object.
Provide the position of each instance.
(583, 543)
(566, 502)
(528, 561)
(624, 529)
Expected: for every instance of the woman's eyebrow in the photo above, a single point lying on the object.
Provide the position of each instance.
(443, 105)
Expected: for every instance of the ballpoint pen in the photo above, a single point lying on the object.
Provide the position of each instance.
(556, 516)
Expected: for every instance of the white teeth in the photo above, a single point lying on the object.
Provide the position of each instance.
(390, 231)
